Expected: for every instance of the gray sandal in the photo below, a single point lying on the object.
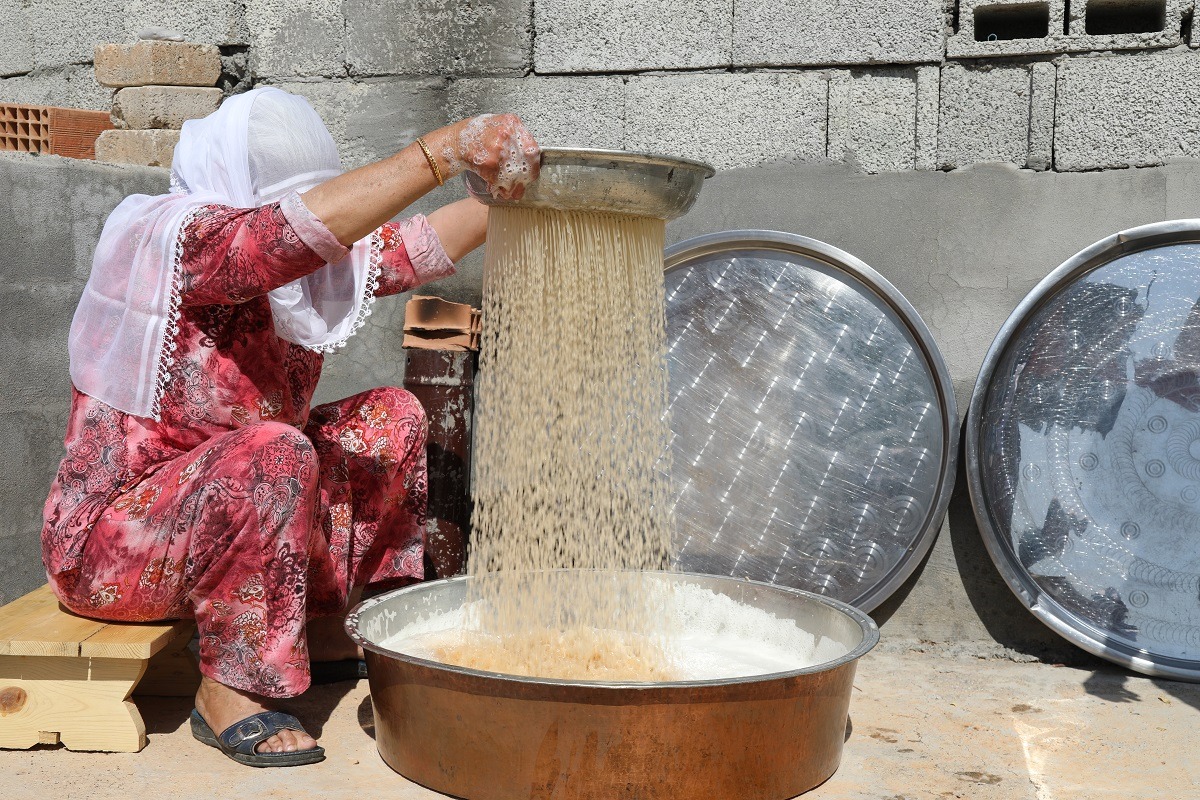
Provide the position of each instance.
(239, 739)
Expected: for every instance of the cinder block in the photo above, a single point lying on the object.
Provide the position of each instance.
(409, 37)
(147, 148)
(297, 37)
(373, 119)
(1127, 24)
(821, 32)
(143, 107)
(984, 116)
(1043, 79)
(1126, 111)
(219, 22)
(65, 31)
(562, 112)
(929, 85)
(16, 57)
(603, 36)
(69, 87)
(156, 63)
(872, 119)
(991, 28)
(728, 120)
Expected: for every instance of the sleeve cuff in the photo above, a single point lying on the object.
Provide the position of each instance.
(311, 230)
(429, 259)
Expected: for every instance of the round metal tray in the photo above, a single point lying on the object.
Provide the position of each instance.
(576, 179)
(1083, 448)
(814, 424)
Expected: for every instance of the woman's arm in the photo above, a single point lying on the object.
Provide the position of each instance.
(497, 148)
(461, 226)
(422, 249)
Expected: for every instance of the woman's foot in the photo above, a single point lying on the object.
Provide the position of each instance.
(222, 706)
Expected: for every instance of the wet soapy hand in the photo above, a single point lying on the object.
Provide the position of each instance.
(499, 149)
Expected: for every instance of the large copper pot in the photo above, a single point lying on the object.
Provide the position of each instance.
(488, 736)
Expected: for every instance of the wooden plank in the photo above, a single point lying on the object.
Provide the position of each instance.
(133, 639)
(84, 701)
(34, 625)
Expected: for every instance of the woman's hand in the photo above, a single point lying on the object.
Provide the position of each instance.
(499, 149)
(496, 147)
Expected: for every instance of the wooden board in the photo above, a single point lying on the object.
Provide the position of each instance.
(133, 639)
(34, 625)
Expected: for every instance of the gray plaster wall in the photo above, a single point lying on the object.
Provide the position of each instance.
(964, 246)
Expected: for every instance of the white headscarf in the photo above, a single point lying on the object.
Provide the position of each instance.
(254, 149)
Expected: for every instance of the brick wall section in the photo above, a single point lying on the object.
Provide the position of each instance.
(884, 84)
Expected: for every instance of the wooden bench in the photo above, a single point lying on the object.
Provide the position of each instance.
(67, 679)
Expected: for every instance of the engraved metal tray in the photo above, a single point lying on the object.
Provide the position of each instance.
(1083, 448)
(814, 429)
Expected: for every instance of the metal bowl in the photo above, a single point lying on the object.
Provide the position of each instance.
(489, 736)
(577, 179)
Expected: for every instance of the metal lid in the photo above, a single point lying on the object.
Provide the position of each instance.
(612, 181)
(1083, 447)
(813, 420)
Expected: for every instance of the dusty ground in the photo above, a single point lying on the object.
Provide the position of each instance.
(924, 725)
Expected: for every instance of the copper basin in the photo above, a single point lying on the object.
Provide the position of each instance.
(489, 736)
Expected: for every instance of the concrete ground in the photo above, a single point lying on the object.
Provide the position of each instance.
(926, 724)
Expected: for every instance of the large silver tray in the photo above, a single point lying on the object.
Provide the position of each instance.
(814, 424)
(612, 181)
(1083, 448)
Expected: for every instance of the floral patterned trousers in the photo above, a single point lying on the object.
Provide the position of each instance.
(261, 529)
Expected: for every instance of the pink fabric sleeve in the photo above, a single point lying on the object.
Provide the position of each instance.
(311, 230)
(429, 260)
(231, 255)
(412, 255)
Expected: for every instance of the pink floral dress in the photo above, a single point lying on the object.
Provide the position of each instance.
(242, 507)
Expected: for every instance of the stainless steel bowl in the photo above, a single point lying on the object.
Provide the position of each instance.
(488, 736)
(577, 179)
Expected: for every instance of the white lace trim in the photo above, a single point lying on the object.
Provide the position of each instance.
(374, 267)
(166, 355)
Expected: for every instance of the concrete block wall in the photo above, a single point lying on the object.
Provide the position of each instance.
(886, 85)
(47, 58)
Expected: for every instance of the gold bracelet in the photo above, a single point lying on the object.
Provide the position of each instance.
(433, 165)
